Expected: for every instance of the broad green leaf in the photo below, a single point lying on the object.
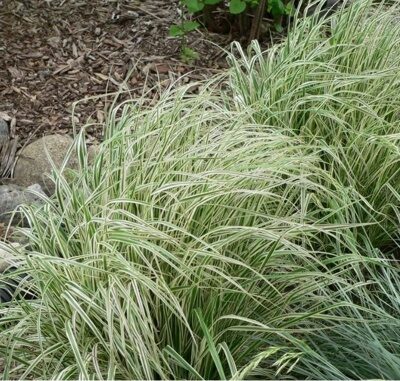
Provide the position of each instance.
(176, 31)
(194, 6)
(276, 7)
(188, 26)
(237, 6)
(212, 2)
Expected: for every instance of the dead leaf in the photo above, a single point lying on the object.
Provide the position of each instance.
(162, 68)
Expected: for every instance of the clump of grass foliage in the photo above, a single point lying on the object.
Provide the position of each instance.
(241, 233)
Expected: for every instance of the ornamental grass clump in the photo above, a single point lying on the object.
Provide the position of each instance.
(335, 86)
(236, 234)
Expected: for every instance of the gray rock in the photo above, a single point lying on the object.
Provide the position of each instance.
(11, 196)
(4, 131)
(4, 139)
(7, 258)
(92, 152)
(33, 165)
(19, 236)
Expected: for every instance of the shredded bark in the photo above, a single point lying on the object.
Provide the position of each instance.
(55, 53)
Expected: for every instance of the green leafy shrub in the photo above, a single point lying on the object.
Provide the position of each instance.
(235, 6)
(277, 8)
(245, 15)
(235, 234)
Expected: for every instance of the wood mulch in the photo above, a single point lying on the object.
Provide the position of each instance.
(57, 52)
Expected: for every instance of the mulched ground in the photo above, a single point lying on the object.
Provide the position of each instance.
(56, 52)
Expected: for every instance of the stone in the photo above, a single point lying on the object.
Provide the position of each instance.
(4, 137)
(92, 152)
(4, 131)
(7, 258)
(11, 196)
(33, 165)
(19, 236)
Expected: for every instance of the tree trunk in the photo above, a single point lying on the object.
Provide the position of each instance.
(257, 20)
